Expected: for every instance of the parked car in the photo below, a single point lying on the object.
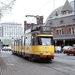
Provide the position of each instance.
(66, 48)
(69, 51)
(6, 48)
(57, 49)
(72, 51)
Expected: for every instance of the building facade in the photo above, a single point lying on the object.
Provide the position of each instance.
(10, 30)
(62, 22)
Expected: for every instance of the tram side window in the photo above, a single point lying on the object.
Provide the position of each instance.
(24, 41)
(20, 43)
(28, 41)
(17, 43)
(14, 43)
(33, 41)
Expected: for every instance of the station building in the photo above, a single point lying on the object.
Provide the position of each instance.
(62, 22)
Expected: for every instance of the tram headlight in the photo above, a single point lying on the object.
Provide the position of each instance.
(46, 51)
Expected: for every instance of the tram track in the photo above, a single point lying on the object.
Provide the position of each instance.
(66, 57)
(59, 67)
(49, 65)
(67, 68)
(55, 65)
(56, 69)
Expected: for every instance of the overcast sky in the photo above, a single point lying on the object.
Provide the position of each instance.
(32, 7)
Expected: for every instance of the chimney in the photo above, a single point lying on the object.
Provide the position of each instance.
(25, 25)
(39, 19)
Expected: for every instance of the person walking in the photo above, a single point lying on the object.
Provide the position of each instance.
(0, 45)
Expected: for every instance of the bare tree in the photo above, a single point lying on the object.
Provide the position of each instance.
(6, 6)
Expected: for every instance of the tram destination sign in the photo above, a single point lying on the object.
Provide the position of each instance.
(46, 29)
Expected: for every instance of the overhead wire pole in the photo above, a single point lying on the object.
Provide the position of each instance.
(36, 17)
(30, 16)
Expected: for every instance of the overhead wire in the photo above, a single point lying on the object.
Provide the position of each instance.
(41, 8)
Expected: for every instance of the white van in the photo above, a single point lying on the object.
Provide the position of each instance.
(57, 49)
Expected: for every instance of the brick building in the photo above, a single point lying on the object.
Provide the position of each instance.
(62, 22)
(39, 21)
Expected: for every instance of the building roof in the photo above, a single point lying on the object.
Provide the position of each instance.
(60, 9)
(67, 6)
(10, 23)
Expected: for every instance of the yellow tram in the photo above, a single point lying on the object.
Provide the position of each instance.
(36, 43)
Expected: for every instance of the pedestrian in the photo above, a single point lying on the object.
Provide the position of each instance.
(0, 45)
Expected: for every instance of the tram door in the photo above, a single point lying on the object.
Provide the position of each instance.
(22, 44)
(34, 44)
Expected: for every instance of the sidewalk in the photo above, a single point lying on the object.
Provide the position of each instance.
(2, 65)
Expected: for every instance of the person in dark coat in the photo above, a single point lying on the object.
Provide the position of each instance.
(0, 45)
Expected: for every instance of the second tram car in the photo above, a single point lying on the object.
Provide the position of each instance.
(36, 43)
